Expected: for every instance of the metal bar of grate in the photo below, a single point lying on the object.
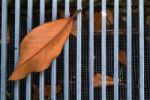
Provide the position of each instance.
(103, 49)
(66, 58)
(41, 80)
(129, 50)
(78, 70)
(54, 63)
(3, 49)
(29, 27)
(17, 32)
(91, 49)
(141, 38)
(116, 46)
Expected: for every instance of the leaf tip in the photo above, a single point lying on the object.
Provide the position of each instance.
(11, 78)
(16, 76)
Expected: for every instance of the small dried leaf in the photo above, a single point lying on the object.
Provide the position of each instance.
(148, 20)
(109, 18)
(47, 91)
(122, 57)
(98, 20)
(98, 80)
(7, 37)
(41, 46)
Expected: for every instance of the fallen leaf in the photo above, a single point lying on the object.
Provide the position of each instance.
(41, 46)
(122, 57)
(98, 20)
(7, 37)
(98, 80)
(109, 17)
(124, 18)
(148, 20)
(47, 91)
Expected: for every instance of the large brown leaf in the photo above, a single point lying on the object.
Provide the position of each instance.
(41, 46)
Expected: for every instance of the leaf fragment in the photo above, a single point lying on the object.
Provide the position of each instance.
(98, 20)
(47, 91)
(98, 80)
(122, 57)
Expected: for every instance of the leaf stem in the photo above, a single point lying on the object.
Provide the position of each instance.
(76, 13)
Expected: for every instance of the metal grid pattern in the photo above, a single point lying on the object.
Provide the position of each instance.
(82, 56)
